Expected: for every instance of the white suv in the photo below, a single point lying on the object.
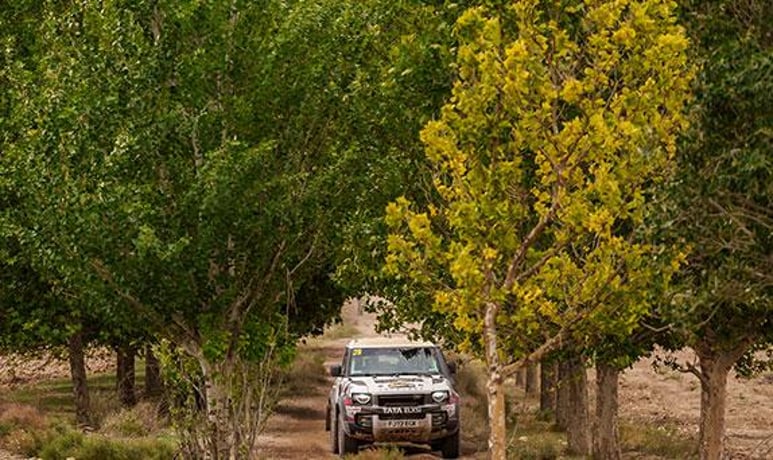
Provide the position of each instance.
(393, 391)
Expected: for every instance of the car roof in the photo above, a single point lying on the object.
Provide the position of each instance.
(387, 342)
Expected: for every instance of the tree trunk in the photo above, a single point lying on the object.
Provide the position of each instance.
(495, 387)
(78, 375)
(606, 444)
(578, 426)
(520, 377)
(153, 386)
(715, 365)
(125, 375)
(531, 379)
(547, 398)
(562, 394)
(221, 445)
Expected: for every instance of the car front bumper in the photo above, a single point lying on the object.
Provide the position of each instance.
(372, 424)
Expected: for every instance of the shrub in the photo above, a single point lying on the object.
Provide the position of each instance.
(381, 453)
(102, 405)
(664, 440)
(305, 375)
(140, 420)
(14, 415)
(67, 443)
(545, 446)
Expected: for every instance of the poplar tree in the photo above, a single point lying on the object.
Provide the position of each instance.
(561, 115)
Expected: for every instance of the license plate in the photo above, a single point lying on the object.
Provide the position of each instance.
(402, 423)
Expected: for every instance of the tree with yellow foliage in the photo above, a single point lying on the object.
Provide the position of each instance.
(562, 115)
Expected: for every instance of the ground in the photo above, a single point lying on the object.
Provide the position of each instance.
(656, 398)
(651, 400)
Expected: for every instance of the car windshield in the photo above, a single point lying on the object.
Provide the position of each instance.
(393, 361)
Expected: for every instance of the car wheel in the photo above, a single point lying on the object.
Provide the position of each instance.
(332, 420)
(346, 444)
(449, 446)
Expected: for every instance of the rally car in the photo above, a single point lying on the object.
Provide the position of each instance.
(393, 391)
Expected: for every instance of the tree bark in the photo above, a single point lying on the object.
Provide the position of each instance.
(216, 405)
(531, 379)
(78, 375)
(578, 426)
(153, 385)
(520, 377)
(547, 399)
(606, 445)
(715, 365)
(562, 394)
(495, 387)
(125, 375)
(712, 421)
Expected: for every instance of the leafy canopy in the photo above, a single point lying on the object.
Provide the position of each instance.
(540, 159)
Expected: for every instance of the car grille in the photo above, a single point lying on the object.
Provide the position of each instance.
(416, 416)
(402, 400)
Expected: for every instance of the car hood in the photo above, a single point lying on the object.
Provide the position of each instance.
(397, 384)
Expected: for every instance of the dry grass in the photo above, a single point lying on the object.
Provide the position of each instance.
(380, 453)
(341, 331)
(21, 415)
(18, 425)
(140, 420)
(664, 441)
(305, 376)
(471, 384)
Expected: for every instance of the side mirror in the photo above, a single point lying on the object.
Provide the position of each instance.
(452, 367)
(335, 370)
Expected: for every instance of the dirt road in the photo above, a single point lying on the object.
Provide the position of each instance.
(648, 397)
(297, 428)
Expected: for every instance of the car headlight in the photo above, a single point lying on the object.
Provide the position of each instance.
(361, 398)
(440, 396)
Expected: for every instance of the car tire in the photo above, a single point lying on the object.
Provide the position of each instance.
(333, 421)
(346, 444)
(449, 447)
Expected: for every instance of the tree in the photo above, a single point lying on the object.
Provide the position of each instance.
(555, 125)
(721, 203)
(193, 166)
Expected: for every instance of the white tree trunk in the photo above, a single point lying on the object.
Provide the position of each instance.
(495, 388)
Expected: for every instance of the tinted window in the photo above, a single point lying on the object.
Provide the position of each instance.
(391, 361)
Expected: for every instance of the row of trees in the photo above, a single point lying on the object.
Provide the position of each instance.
(211, 177)
(189, 174)
(568, 222)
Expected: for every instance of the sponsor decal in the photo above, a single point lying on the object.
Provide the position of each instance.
(402, 410)
(400, 384)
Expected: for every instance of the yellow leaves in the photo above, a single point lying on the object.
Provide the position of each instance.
(600, 222)
(624, 36)
(490, 254)
(464, 267)
(517, 52)
(420, 226)
(541, 115)
(439, 141)
(396, 210)
(572, 90)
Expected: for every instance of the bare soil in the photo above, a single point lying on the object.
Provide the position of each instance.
(664, 397)
(649, 397)
(656, 398)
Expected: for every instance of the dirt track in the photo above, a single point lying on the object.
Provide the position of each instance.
(297, 429)
(647, 397)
